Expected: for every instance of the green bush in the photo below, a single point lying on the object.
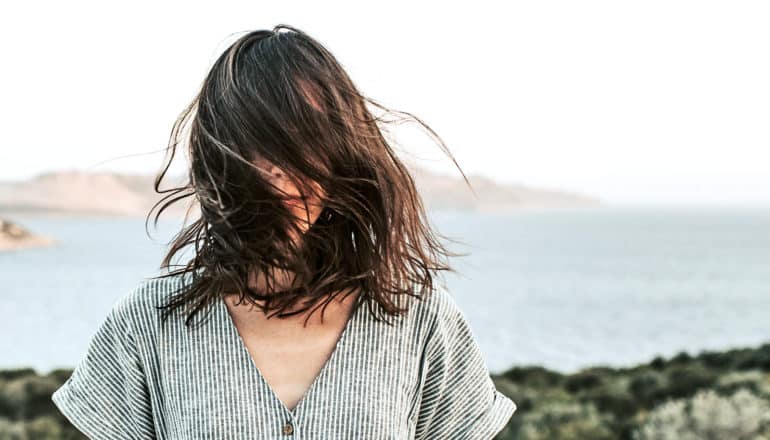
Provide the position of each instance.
(584, 380)
(567, 421)
(16, 373)
(10, 430)
(647, 387)
(753, 380)
(28, 396)
(612, 397)
(709, 416)
(44, 428)
(534, 376)
(686, 380)
(756, 359)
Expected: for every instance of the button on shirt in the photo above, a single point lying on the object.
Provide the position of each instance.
(421, 377)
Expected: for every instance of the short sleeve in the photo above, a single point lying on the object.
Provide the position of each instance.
(107, 397)
(458, 399)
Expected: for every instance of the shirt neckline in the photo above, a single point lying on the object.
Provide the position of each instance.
(330, 363)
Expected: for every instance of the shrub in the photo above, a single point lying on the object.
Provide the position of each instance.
(16, 373)
(10, 430)
(568, 421)
(582, 381)
(681, 358)
(647, 387)
(612, 397)
(753, 380)
(533, 376)
(708, 416)
(714, 359)
(756, 359)
(27, 397)
(686, 380)
(658, 363)
(44, 428)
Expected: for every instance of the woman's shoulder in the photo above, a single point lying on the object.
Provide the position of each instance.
(435, 309)
(443, 324)
(149, 292)
(442, 302)
(139, 305)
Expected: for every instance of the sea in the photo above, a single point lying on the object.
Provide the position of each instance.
(564, 289)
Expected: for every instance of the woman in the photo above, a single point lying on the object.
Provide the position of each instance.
(306, 216)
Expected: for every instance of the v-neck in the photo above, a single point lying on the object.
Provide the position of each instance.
(330, 362)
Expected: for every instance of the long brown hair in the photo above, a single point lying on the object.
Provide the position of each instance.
(281, 98)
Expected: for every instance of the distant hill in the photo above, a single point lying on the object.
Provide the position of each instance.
(442, 192)
(78, 192)
(109, 193)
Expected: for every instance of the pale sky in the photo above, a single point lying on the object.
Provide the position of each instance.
(631, 102)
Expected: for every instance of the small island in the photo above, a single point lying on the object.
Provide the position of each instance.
(13, 237)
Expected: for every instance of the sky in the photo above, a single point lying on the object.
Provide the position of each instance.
(631, 102)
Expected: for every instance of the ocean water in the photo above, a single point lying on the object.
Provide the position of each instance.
(563, 289)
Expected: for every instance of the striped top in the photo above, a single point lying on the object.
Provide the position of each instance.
(424, 377)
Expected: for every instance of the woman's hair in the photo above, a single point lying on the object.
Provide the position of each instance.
(281, 99)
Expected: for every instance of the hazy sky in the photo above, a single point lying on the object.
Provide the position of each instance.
(654, 101)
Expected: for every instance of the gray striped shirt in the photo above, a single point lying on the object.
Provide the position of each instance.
(422, 378)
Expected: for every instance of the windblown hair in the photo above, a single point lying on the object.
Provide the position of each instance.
(280, 99)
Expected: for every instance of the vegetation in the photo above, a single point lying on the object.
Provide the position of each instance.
(715, 395)
(711, 396)
(26, 409)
